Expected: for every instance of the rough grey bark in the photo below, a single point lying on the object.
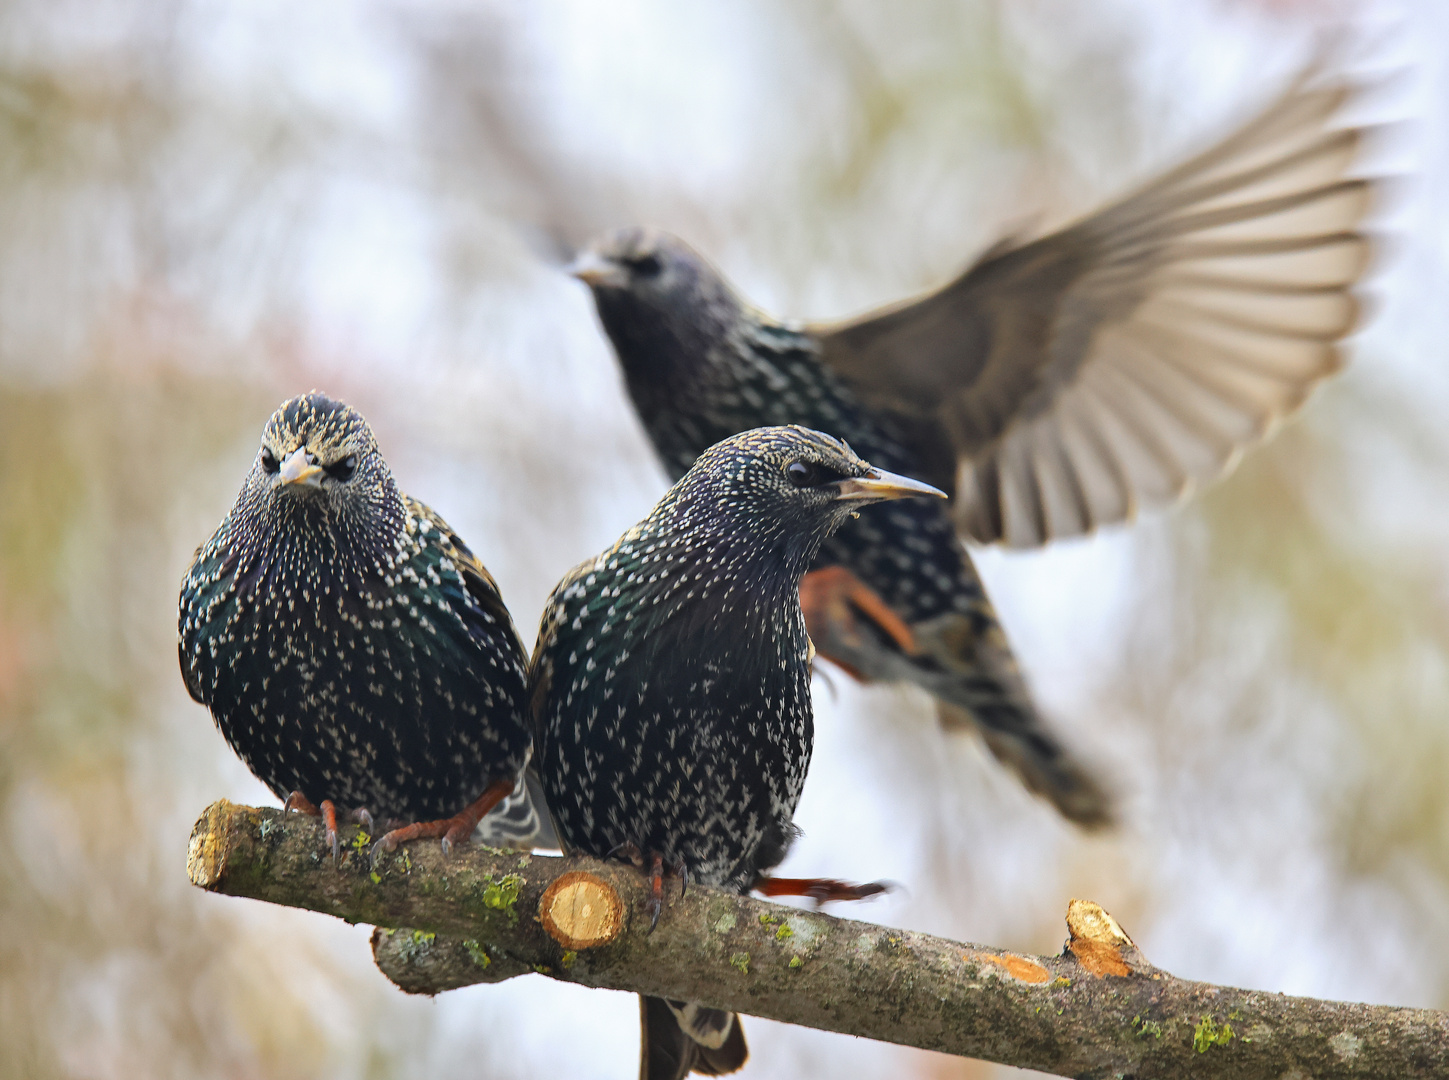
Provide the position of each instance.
(1097, 1010)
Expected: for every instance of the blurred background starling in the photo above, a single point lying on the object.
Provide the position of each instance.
(353, 651)
(1054, 387)
(671, 686)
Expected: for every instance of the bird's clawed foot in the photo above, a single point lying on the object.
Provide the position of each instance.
(836, 603)
(630, 852)
(821, 890)
(656, 890)
(327, 812)
(453, 831)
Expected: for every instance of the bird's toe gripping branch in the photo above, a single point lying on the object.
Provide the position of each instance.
(838, 606)
(327, 812)
(454, 830)
(656, 889)
(630, 853)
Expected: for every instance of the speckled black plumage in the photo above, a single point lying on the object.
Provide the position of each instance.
(671, 681)
(348, 644)
(700, 365)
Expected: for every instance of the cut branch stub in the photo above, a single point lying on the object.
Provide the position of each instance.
(581, 911)
(207, 850)
(1100, 944)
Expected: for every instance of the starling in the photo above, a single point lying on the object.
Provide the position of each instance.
(1053, 387)
(352, 650)
(671, 686)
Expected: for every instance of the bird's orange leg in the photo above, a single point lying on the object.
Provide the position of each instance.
(655, 875)
(453, 830)
(821, 890)
(327, 812)
(835, 601)
(301, 804)
(656, 890)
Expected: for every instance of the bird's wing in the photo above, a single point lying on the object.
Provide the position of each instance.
(1128, 357)
(540, 666)
(477, 580)
(482, 588)
(188, 676)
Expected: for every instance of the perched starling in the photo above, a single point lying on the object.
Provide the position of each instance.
(353, 651)
(671, 685)
(1054, 387)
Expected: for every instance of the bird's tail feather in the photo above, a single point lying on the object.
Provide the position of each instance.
(1044, 765)
(966, 664)
(677, 1038)
(976, 679)
(521, 820)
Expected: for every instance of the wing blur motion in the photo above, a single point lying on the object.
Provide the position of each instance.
(1130, 357)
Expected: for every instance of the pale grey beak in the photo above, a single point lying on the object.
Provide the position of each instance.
(596, 271)
(883, 485)
(297, 469)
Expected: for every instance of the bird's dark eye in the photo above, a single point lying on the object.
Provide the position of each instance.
(805, 474)
(342, 470)
(270, 463)
(646, 266)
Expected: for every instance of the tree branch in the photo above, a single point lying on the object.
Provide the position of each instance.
(1097, 1010)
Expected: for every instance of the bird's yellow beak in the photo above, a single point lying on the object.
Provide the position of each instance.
(296, 469)
(594, 271)
(883, 485)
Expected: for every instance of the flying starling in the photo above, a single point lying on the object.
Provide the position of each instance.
(352, 650)
(1054, 387)
(671, 686)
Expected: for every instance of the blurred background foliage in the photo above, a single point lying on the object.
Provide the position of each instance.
(207, 206)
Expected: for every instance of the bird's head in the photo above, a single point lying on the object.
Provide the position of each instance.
(791, 486)
(319, 455)
(650, 265)
(663, 305)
